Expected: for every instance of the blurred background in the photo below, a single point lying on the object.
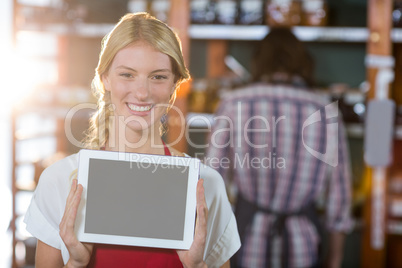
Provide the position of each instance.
(49, 50)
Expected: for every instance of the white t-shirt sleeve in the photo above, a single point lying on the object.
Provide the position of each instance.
(46, 210)
(222, 238)
(39, 226)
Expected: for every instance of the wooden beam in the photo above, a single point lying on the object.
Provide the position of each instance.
(63, 48)
(179, 20)
(397, 87)
(379, 43)
(216, 53)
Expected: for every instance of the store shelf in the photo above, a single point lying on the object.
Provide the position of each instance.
(28, 187)
(21, 135)
(77, 29)
(394, 227)
(257, 32)
(228, 32)
(304, 33)
(224, 32)
(395, 207)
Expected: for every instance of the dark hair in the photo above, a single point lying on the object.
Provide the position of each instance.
(280, 51)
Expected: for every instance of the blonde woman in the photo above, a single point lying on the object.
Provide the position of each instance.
(140, 68)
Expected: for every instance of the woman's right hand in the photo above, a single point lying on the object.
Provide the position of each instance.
(80, 253)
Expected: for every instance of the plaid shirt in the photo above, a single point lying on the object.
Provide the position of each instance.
(283, 148)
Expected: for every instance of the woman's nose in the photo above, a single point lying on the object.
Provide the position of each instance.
(141, 90)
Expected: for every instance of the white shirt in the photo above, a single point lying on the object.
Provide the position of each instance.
(47, 208)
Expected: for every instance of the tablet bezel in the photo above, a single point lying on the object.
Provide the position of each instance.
(193, 166)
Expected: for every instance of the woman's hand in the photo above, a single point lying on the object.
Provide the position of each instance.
(194, 256)
(80, 253)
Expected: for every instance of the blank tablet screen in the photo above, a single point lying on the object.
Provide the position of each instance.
(114, 184)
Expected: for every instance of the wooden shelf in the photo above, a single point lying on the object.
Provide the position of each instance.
(26, 187)
(257, 32)
(304, 33)
(21, 135)
(78, 29)
(394, 227)
(225, 32)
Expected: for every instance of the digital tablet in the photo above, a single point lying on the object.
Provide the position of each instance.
(137, 199)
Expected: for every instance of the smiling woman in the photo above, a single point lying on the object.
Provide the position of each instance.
(140, 68)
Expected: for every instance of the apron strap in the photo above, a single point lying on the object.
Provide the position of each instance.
(245, 212)
(167, 151)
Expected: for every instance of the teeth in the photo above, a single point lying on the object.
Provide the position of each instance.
(139, 108)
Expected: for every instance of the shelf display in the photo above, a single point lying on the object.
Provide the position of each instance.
(226, 12)
(137, 5)
(94, 11)
(304, 33)
(314, 13)
(283, 13)
(160, 9)
(251, 12)
(397, 14)
(202, 12)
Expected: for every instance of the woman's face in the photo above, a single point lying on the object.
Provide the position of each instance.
(140, 81)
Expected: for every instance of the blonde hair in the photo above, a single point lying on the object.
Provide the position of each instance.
(131, 28)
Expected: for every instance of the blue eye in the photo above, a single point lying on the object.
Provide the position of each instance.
(159, 77)
(126, 75)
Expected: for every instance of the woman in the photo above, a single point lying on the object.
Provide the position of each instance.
(140, 68)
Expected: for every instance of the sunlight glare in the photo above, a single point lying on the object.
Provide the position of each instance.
(20, 78)
(31, 64)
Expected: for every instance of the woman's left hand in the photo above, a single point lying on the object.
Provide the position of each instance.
(194, 256)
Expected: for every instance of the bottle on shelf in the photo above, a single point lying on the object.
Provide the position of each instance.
(199, 9)
(250, 12)
(397, 14)
(137, 6)
(314, 12)
(160, 9)
(283, 12)
(226, 12)
(210, 14)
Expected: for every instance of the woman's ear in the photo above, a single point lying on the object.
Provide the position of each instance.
(105, 81)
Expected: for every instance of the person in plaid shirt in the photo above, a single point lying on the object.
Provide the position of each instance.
(283, 147)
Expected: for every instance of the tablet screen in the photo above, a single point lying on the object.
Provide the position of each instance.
(146, 202)
(157, 198)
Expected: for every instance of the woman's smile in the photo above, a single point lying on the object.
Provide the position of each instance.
(139, 108)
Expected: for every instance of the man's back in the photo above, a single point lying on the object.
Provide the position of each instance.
(282, 143)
